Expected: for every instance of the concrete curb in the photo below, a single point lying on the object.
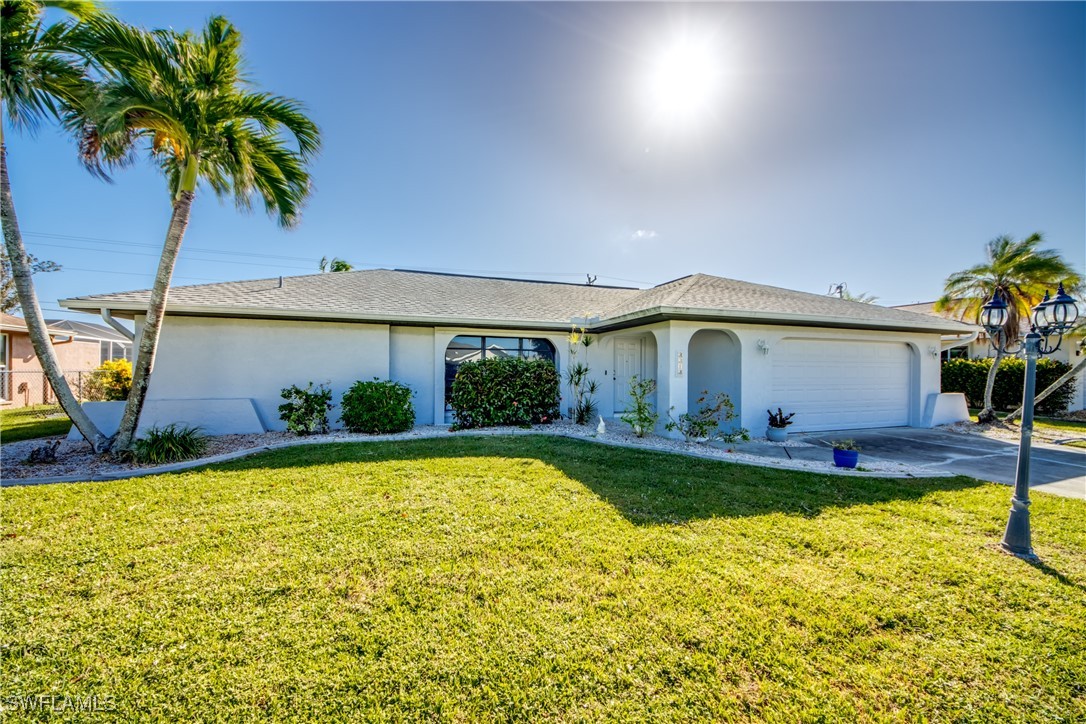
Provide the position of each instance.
(247, 452)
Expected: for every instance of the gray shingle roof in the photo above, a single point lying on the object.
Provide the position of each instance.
(409, 296)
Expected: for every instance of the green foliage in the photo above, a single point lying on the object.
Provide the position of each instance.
(642, 415)
(582, 388)
(705, 422)
(845, 445)
(779, 420)
(378, 407)
(169, 444)
(584, 407)
(306, 409)
(505, 391)
(971, 375)
(111, 381)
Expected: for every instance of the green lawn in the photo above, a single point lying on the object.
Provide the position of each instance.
(536, 578)
(25, 423)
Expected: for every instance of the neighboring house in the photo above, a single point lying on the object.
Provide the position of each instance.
(80, 347)
(1070, 351)
(837, 364)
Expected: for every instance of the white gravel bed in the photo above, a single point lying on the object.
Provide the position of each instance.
(75, 459)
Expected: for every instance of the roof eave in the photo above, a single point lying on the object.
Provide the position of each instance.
(129, 310)
(655, 314)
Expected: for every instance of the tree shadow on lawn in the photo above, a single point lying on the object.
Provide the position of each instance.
(646, 487)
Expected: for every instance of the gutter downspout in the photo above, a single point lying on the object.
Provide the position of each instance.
(946, 344)
(108, 319)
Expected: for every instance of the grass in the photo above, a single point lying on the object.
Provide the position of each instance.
(1047, 429)
(535, 578)
(27, 423)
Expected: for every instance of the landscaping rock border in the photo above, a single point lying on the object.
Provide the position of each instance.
(91, 468)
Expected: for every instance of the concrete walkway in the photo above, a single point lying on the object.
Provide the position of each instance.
(1053, 468)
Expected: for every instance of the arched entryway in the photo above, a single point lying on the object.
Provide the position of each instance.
(714, 365)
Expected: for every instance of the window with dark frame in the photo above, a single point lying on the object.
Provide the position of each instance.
(470, 348)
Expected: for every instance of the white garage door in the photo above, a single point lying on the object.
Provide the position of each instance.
(839, 385)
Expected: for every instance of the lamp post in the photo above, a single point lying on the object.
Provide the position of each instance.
(1049, 319)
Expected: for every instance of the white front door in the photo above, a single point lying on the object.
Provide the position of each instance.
(627, 366)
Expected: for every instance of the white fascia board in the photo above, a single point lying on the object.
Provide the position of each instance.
(782, 318)
(127, 310)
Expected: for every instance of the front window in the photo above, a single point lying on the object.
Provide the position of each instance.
(467, 348)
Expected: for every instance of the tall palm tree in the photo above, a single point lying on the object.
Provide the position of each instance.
(185, 97)
(1018, 271)
(42, 75)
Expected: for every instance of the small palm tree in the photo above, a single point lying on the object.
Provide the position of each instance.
(42, 75)
(1018, 271)
(184, 95)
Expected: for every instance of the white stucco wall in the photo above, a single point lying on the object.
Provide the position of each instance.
(673, 383)
(230, 358)
(411, 361)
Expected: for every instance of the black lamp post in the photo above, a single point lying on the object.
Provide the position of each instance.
(1049, 319)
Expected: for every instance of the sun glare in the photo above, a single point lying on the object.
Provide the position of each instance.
(683, 82)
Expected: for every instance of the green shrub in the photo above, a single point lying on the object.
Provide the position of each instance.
(378, 407)
(505, 391)
(169, 444)
(111, 381)
(306, 409)
(970, 376)
(641, 415)
(705, 421)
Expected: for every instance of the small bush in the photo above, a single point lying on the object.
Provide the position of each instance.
(111, 381)
(641, 416)
(306, 409)
(378, 407)
(505, 391)
(969, 376)
(169, 444)
(703, 424)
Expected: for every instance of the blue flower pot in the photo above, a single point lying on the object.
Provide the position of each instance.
(846, 458)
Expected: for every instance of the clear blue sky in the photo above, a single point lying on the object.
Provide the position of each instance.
(875, 144)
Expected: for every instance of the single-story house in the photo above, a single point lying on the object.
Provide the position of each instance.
(1070, 351)
(80, 347)
(837, 364)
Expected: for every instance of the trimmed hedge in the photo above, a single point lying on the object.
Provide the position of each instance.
(378, 407)
(505, 391)
(971, 375)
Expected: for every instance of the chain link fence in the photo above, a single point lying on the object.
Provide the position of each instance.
(29, 388)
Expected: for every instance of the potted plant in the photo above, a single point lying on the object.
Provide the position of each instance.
(778, 421)
(845, 453)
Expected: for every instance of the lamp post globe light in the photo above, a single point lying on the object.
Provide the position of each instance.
(1049, 320)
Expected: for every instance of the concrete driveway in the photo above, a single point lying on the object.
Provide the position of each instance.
(1053, 468)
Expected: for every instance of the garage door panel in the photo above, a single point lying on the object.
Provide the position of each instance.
(834, 385)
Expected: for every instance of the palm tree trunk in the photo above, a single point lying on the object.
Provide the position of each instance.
(988, 413)
(35, 322)
(156, 311)
(1063, 380)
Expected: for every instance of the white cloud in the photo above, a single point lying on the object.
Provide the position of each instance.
(642, 234)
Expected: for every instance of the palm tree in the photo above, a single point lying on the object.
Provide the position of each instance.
(185, 95)
(1018, 271)
(334, 265)
(42, 74)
